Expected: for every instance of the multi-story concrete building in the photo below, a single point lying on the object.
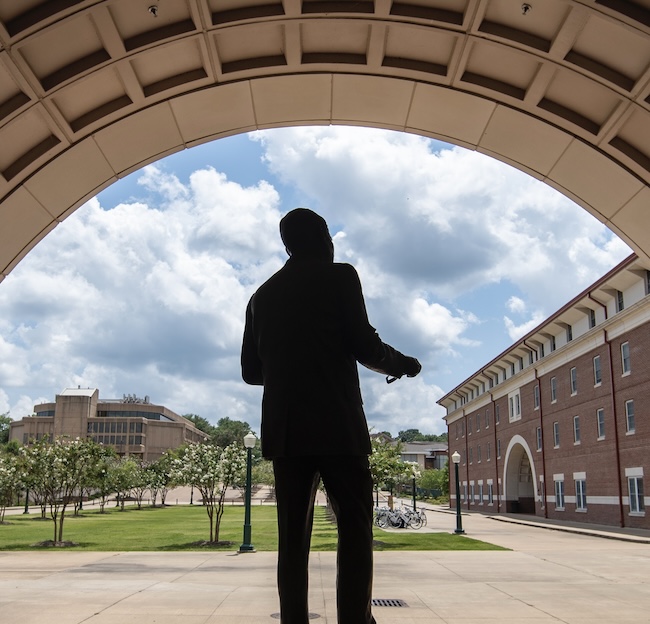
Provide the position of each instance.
(558, 425)
(133, 426)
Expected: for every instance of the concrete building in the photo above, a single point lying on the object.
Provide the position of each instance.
(557, 425)
(133, 426)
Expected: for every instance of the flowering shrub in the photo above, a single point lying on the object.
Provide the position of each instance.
(211, 470)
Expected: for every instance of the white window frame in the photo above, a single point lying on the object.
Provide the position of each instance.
(514, 402)
(536, 396)
(636, 491)
(598, 373)
(576, 429)
(581, 494)
(573, 377)
(538, 437)
(600, 423)
(626, 366)
(630, 423)
(559, 494)
(556, 434)
(553, 390)
(490, 494)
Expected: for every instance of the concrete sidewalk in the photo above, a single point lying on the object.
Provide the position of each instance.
(549, 576)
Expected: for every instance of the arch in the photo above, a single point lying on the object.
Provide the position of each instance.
(520, 494)
(91, 90)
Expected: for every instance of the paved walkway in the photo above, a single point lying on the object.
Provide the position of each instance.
(548, 576)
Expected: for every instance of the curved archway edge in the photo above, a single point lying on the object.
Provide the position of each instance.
(72, 125)
(519, 447)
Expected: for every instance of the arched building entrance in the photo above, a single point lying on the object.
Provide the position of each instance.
(519, 481)
(92, 90)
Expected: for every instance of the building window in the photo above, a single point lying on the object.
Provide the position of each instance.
(469, 426)
(556, 434)
(488, 452)
(471, 455)
(487, 419)
(552, 343)
(625, 358)
(496, 414)
(536, 396)
(600, 420)
(647, 282)
(490, 494)
(478, 423)
(635, 487)
(539, 438)
(471, 492)
(464, 491)
(573, 376)
(592, 318)
(541, 350)
(559, 495)
(576, 429)
(569, 333)
(620, 305)
(514, 401)
(581, 495)
(480, 493)
(629, 416)
(499, 449)
(553, 390)
(531, 358)
(512, 369)
(598, 377)
(478, 453)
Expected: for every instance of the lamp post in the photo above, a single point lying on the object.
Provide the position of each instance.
(455, 457)
(249, 443)
(414, 493)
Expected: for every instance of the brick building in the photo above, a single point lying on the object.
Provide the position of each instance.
(134, 427)
(558, 425)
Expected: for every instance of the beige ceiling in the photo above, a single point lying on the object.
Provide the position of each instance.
(93, 90)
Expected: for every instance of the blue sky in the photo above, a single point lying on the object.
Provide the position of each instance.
(143, 289)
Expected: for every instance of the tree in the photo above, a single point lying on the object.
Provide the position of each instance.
(434, 479)
(5, 421)
(211, 470)
(229, 432)
(414, 435)
(10, 481)
(161, 476)
(64, 466)
(102, 478)
(125, 476)
(385, 463)
(202, 424)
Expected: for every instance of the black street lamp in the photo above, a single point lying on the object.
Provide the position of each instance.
(455, 457)
(249, 443)
(414, 493)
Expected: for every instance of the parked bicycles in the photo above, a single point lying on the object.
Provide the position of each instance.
(401, 518)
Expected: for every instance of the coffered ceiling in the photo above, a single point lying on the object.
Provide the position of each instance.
(93, 90)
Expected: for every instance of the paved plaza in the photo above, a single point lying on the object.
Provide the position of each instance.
(548, 576)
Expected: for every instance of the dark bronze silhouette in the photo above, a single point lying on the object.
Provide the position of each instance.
(306, 329)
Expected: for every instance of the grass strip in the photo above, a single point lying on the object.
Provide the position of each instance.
(184, 527)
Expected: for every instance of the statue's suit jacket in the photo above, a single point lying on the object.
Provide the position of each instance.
(306, 329)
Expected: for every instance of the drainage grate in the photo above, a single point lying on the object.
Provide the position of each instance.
(312, 616)
(388, 602)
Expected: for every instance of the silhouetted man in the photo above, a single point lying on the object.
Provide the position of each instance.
(306, 329)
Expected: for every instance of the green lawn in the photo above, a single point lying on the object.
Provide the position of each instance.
(181, 527)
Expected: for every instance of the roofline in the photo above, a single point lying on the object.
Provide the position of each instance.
(621, 265)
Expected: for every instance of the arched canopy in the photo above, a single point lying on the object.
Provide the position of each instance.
(91, 90)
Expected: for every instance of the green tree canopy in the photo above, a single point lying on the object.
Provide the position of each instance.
(414, 435)
(229, 431)
(5, 421)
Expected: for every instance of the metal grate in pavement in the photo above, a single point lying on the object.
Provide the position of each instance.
(388, 602)
(312, 616)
